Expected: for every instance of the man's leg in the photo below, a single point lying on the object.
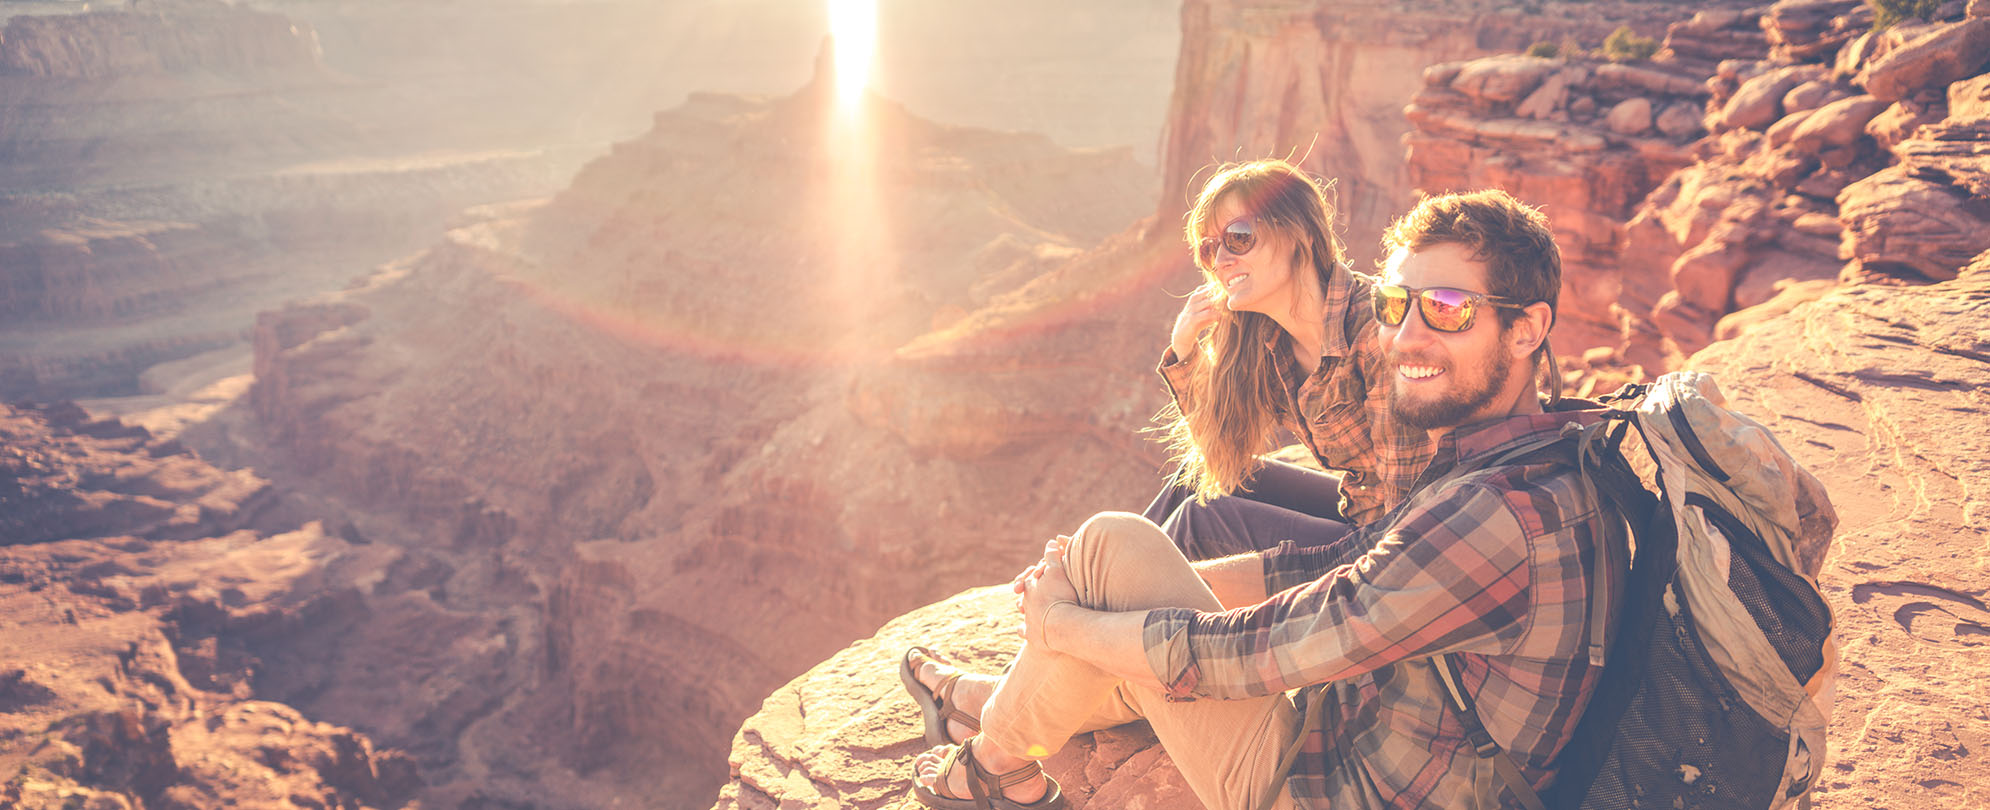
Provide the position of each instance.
(1227, 750)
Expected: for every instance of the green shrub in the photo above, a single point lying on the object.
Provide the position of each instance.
(1545, 50)
(1887, 13)
(1624, 45)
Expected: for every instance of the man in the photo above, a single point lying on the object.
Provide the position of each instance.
(1494, 562)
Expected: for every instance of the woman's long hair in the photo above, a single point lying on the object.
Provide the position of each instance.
(1237, 389)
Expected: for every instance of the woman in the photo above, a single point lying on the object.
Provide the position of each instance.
(1280, 335)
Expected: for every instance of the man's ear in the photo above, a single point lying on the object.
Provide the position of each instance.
(1531, 329)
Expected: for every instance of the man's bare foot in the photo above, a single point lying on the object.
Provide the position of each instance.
(970, 693)
(926, 771)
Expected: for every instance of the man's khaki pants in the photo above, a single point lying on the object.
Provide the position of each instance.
(1227, 750)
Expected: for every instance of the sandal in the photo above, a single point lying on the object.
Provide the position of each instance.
(936, 705)
(986, 787)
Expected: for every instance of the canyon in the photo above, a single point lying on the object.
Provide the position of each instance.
(540, 512)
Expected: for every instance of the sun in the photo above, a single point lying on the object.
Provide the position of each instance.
(853, 24)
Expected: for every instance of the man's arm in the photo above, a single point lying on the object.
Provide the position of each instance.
(1109, 641)
(1451, 577)
(1237, 580)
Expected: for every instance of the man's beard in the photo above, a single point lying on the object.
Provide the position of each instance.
(1467, 397)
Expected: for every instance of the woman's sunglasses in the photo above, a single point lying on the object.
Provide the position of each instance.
(1238, 237)
(1444, 309)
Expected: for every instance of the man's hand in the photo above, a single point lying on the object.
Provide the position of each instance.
(1041, 587)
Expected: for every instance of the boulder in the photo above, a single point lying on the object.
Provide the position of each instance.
(1547, 100)
(1969, 99)
(1899, 121)
(1632, 116)
(844, 734)
(1779, 133)
(1759, 101)
(1838, 124)
(1679, 120)
(1944, 55)
(1858, 53)
(1895, 218)
(1809, 96)
(1502, 78)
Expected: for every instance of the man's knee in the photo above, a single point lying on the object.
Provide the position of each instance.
(1117, 528)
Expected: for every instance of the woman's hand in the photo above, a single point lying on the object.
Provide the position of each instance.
(1197, 314)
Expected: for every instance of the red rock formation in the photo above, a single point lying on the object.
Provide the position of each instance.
(1654, 262)
(1772, 207)
(1583, 138)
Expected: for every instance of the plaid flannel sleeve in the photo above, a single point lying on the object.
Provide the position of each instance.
(1290, 564)
(1174, 372)
(1450, 576)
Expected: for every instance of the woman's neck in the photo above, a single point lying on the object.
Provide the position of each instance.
(1301, 319)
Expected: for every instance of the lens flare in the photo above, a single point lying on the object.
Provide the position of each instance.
(853, 24)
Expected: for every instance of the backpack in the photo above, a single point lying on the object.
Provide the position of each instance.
(1716, 689)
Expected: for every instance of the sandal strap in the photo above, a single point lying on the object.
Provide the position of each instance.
(1029, 771)
(943, 694)
(999, 782)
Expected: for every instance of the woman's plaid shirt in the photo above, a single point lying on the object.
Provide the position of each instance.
(1340, 417)
(1494, 563)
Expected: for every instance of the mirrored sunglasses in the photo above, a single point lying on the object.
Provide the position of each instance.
(1238, 237)
(1444, 309)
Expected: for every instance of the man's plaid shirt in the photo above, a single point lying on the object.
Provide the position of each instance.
(1340, 414)
(1494, 563)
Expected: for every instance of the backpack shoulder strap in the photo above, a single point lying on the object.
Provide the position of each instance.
(1482, 742)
